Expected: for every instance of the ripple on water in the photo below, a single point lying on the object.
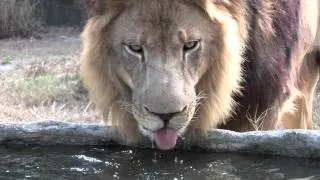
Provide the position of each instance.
(86, 158)
(120, 163)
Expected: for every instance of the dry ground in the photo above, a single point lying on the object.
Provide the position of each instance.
(39, 80)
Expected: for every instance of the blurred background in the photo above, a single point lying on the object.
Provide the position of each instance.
(39, 62)
(27, 17)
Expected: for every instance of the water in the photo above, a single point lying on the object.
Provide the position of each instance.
(127, 163)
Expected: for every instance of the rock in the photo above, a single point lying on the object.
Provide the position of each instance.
(294, 143)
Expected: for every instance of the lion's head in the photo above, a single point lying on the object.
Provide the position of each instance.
(163, 67)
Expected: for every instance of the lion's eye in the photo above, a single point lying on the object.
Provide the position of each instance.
(134, 48)
(191, 45)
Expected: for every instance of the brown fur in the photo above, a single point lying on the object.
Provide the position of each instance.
(282, 69)
(275, 38)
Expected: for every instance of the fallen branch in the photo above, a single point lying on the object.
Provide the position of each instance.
(295, 143)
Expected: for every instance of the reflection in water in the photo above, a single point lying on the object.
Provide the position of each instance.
(127, 163)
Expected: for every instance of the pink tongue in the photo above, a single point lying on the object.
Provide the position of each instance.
(165, 138)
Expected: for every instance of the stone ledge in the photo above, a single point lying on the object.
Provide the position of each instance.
(293, 143)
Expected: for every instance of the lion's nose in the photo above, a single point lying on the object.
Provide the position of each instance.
(166, 116)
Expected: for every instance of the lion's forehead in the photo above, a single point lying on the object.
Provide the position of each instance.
(165, 20)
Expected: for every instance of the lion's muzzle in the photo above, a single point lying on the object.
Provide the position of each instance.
(163, 128)
(164, 103)
(166, 117)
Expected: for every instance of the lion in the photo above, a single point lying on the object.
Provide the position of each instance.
(177, 68)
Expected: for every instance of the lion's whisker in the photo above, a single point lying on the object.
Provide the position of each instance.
(126, 106)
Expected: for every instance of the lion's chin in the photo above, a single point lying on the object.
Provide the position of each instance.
(165, 139)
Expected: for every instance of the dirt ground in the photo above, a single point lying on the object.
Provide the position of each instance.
(39, 80)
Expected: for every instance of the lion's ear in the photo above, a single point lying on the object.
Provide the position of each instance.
(100, 7)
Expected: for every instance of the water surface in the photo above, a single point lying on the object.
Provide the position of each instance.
(128, 163)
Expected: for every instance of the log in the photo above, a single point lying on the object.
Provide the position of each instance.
(292, 143)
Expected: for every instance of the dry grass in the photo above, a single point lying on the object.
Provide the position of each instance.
(17, 18)
(44, 83)
(44, 89)
(256, 120)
